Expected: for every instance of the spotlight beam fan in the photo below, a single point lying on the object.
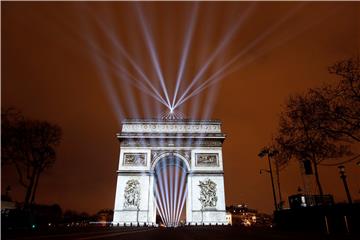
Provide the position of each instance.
(165, 179)
(137, 83)
(112, 95)
(154, 58)
(128, 77)
(215, 77)
(185, 52)
(182, 204)
(159, 207)
(175, 193)
(144, 84)
(119, 47)
(99, 57)
(217, 51)
(160, 184)
(181, 195)
(171, 196)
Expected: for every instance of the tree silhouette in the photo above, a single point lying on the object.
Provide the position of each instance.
(339, 104)
(320, 124)
(301, 137)
(29, 145)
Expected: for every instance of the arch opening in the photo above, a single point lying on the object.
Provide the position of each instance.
(170, 189)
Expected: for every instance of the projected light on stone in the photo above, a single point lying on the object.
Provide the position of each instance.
(176, 163)
(172, 115)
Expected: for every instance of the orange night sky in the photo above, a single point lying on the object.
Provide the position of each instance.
(61, 61)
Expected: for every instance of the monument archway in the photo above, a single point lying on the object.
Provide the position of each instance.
(170, 187)
(198, 146)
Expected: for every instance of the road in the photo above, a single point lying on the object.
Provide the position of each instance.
(181, 233)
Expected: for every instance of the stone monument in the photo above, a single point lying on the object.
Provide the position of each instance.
(145, 142)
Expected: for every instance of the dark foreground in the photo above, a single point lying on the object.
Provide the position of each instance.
(180, 233)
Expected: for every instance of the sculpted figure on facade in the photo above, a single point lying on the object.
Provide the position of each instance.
(132, 194)
(207, 159)
(208, 196)
(135, 159)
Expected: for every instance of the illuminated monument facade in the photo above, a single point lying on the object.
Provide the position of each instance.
(145, 143)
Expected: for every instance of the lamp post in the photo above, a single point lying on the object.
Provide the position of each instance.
(272, 183)
(269, 154)
(343, 177)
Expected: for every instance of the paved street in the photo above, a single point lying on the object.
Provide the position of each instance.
(181, 233)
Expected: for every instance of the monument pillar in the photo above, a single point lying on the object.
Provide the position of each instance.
(189, 199)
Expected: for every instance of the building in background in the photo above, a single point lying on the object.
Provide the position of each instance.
(242, 215)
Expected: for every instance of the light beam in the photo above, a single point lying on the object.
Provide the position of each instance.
(153, 55)
(185, 52)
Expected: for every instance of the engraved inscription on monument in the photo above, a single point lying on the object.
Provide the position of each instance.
(132, 194)
(207, 159)
(208, 196)
(135, 159)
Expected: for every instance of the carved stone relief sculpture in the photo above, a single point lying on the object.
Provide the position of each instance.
(135, 159)
(207, 159)
(208, 196)
(132, 194)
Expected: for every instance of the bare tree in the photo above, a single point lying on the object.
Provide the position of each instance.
(299, 135)
(30, 146)
(321, 124)
(339, 104)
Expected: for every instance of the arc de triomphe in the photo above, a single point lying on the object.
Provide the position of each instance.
(144, 142)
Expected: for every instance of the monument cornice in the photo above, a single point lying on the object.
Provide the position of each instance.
(171, 126)
(170, 135)
(171, 121)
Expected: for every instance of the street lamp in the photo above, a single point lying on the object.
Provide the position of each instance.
(269, 153)
(343, 177)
